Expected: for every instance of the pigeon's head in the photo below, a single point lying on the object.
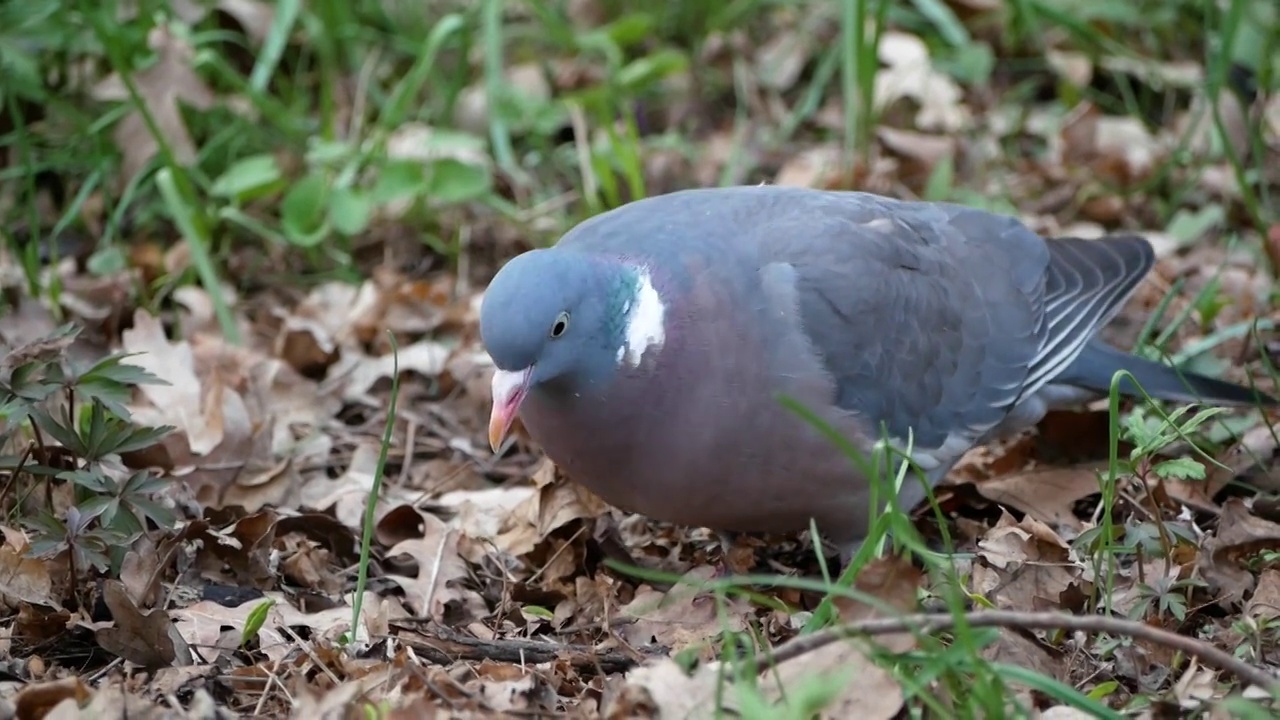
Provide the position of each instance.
(563, 321)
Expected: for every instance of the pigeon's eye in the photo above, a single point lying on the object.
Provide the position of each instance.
(560, 325)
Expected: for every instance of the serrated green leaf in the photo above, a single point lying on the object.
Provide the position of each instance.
(69, 438)
(159, 514)
(114, 368)
(1183, 468)
(88, 479)
(139, 438)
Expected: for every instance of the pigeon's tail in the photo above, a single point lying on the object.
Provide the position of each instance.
(1097, 364)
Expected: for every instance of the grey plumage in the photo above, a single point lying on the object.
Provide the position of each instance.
(944, 322)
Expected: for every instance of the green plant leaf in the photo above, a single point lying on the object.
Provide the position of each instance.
(89, 479)
(349, 211)
(67, 436)
(1183, 468)
(256, 619)
(303, 210)
(453, 181)
(103, 507)
(647, 70)
(248, 177)
(397, 180)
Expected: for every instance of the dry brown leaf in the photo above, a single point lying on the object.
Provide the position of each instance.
(204, 624)
(23, 579)
(1118, 149)
(1265, 603)
(811, 167)
(1252, 457)
(471, 110)
(557, 502)
(870, 691)
(425, 357)
(166, 84)
(180, 401)
(1196, 686)
(1074, 67)
(683, 616)
(1223, 555)
(1022, 650)
(37, 700)
(1158, 571)
(662, 689)
(1063, 712)
(506, 688)
(908, 72)
(146, 638)
(1024, 565)
(918, 152)
(347, 494)
(1048, 494)
(439, 565)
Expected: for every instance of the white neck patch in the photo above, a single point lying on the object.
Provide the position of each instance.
(646, 317)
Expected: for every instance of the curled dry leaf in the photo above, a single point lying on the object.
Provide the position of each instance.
(213, 627)
(345, 496)
(438, 568)
(1265, 603)
(180, 401)
(859, 688)
(870, 690)
(144, 637)
(554, 503)
(42, 699)
(23, 579)
(1024, 566)
(1047, 494)
(918, 152)
(1022, 649)
(1225, 554)
(240, 417)
(683, 616)
(1118, 149)
(908, 72)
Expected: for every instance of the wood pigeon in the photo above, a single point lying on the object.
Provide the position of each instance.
(649, 350)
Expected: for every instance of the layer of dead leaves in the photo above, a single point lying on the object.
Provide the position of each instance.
(489, 592)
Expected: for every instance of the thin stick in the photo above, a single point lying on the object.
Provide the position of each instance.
(926, 623)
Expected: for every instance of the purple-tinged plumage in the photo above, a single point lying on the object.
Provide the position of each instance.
(647, 351)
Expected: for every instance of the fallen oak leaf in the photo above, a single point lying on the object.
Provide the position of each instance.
(870, 691)
(146, 638)
(683, 616)
(852, 685)
(439, 566)
(1047, 494)
(1223, 555)
(1024, 565)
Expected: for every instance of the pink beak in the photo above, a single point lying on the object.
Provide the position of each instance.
(509, 389)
